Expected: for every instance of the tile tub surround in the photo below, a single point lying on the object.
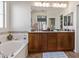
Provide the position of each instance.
(16, 35)
(3, 36)
(14, 49)
(20, 35)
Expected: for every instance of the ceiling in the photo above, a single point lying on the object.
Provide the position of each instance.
(43, 8)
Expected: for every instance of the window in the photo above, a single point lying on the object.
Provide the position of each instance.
(68, 19)
(42, 21)
(2, 15)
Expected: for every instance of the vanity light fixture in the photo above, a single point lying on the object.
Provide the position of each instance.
(46, 4)
(41, 4)
(38, 4)
(61, 5)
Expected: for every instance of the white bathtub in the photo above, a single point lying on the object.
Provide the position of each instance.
(14, 49)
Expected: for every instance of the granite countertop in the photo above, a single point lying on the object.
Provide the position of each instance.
(48, 31)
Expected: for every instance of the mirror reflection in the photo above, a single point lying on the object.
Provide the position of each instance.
(50, 18)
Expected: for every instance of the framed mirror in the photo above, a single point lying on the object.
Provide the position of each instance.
(65, 20)
(68, 19)
(61, 22)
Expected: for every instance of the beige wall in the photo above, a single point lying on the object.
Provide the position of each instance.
(20, 16)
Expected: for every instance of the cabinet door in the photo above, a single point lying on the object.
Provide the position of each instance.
(65, 41)
(71, 39)
(52, 41)
(61, 39)
(34, 45)
(43, 43)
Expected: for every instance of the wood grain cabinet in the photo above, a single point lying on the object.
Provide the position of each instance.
(43, 44)
(34, 42)
(65, 41)
(52, 41)
(55, 41)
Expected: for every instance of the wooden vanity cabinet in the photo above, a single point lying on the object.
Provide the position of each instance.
(65, 41)
(37, 42)
(43, 43)
(55, 41)
(34, 42)
(52, 41)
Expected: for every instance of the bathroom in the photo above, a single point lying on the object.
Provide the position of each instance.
(20, 17)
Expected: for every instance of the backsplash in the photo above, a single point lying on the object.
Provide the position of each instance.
(3, 37)
(16, 36)
(20, 36)
(70, 28)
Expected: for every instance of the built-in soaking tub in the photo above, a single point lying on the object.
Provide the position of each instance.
(14, 49)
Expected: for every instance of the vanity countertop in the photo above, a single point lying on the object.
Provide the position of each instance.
(48, 31)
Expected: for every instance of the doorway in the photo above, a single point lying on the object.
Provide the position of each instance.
(52, 23)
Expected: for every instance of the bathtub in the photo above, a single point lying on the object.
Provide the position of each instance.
(14, 49)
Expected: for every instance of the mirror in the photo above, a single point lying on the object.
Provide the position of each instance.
(44, 19)
(61, 22)
(68, 19)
